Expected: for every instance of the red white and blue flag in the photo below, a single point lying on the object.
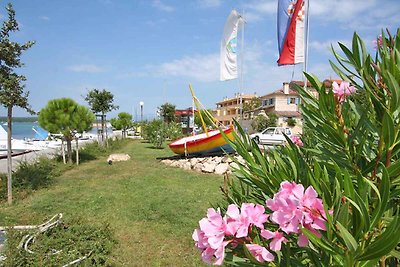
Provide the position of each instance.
(291, 25)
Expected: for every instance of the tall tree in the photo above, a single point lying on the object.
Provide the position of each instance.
(101, 102)
(252, 104)
(65, 116)
(11, 88)
(122, 122)
(167, 112)
(209, 121)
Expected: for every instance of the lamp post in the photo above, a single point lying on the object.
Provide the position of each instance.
(141, 103)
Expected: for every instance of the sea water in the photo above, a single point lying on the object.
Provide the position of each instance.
(23, 130)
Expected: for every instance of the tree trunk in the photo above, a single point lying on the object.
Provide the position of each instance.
(9, 152)
(63, 151)
(69, 149)
(77, 152)
(106, 131)
(103, 141)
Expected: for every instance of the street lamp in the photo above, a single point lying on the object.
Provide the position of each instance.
(141, 103)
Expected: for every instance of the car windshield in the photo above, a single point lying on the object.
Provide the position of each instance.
(268, 131)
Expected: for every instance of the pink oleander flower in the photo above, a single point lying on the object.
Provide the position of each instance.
(296, 140)
(260, 253)
(340, 92)
(277, 239)
(294, 208)
(210, 236)
(238, 222)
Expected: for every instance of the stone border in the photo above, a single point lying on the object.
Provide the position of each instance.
(217, 164)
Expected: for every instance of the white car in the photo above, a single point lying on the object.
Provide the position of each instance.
(272, 136)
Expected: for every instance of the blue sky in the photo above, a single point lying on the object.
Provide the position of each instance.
(150, 50)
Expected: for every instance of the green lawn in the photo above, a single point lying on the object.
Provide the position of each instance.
(152, 208)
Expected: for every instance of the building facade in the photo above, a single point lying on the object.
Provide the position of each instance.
(231, 108)
(285, 103)
(185, 118)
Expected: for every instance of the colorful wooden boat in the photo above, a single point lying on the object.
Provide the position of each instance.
(204, 143)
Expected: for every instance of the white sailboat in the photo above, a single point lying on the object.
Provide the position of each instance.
(17, 145)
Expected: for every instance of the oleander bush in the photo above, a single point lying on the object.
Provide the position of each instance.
(334, 201)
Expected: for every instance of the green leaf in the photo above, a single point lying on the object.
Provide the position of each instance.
(356, 51)
(384, 243)
(349, 240)
(320, 242)
(384, 193)
(388, 130)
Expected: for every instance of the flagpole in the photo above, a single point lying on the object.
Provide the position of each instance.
(241, 69)
(306, 44)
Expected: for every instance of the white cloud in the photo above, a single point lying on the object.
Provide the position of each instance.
(163, 7)
(90, 68)
(354, 14)
(44, 18)
(263, 7)
(210, 3)
(202, 68)
(325, 46)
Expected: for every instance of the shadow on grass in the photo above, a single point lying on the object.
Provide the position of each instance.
(86, 156)
(153, 147)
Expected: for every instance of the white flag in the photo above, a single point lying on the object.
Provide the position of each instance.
(229, 47)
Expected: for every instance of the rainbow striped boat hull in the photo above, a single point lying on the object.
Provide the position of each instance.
(202, 144)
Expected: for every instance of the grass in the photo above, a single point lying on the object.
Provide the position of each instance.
(151, 208)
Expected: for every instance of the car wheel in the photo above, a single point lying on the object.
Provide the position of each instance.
(257, 139)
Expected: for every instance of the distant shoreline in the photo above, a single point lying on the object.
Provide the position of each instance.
(19, 119)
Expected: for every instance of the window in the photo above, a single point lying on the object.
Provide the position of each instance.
(293, 100)
(268, 102)
(271, 101)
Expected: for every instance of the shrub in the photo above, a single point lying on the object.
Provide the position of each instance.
(32, 176)
(261, 122)
(335, 200)
(73, 238)
(173, 131)
(155, 132)
(291, 122)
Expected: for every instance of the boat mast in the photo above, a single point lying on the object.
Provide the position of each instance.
(198, 109)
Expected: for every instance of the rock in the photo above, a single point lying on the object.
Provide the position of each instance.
(187, 165)
(194, 161)
(226, 159)
(217, 159)
(167, 161)
(175, 164)
(221, 168)
(208, 167)
(198, 167)
(117, 157)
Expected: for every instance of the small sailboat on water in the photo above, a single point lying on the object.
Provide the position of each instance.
(204, 143)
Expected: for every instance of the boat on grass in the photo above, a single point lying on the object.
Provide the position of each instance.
(212, 141)
(204, 143)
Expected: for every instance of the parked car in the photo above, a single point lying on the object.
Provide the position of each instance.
(272, 136)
